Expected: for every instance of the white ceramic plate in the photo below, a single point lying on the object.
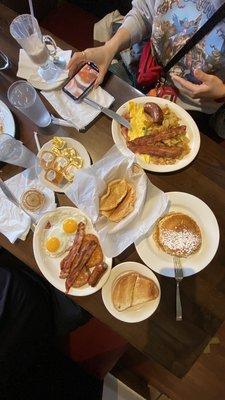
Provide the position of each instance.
(161, 262)
(134, 314)
(71, 143)
(7, 119)
(50, 267)
(185, 119)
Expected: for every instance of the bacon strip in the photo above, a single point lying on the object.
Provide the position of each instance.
(124, 132)
(85, 253)
(157, 136)
(158, 151)
(66, 263)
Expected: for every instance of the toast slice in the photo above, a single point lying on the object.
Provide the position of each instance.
(123, 291)
(145, 290)
(133, 289)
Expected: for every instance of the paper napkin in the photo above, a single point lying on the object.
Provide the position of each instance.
(14, 223)
(79, 114)
(29, 71)
(91, 183)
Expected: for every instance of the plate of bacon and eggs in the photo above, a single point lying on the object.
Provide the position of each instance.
(162, 135)
(68, 252)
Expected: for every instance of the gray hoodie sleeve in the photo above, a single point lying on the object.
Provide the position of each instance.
(139, 20)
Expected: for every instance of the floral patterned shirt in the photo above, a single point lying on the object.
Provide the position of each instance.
(170, 23)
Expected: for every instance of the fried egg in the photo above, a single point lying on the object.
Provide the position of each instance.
(56, 242)
(60, 234)
(69, 226)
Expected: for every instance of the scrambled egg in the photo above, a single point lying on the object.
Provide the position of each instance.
(138, 120)
(139, 124)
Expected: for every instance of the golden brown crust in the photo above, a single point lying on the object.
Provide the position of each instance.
(178, 234)
(145, 290)
(123, 290)
(133, 289)
(116, 191)
(97, 255)
(82, 278)
(125, 207)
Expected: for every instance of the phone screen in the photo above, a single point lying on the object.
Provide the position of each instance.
(82, 81)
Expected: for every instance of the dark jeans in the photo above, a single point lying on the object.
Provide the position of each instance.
(32, 314)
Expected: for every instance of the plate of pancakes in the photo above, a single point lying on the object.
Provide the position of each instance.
(132, 292)
(118, 200)
(188, 230)
(68, 252)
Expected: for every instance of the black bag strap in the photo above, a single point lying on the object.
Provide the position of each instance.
(206, 28)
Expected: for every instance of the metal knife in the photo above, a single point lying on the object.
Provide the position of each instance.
(61, 122)
(112, 114)
(10, 196)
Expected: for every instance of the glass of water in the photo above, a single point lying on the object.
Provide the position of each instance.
(13, 152)
(24, 97)
(4, 61)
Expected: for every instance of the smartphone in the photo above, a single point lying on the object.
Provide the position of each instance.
(80, 84)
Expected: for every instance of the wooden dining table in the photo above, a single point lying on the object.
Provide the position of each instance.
(174, 345)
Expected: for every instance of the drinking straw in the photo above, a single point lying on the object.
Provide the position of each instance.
(31, 8)
(32, 14)
(37, 141)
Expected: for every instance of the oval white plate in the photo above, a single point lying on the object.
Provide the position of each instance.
(7, 119)
(71, 143)
(134, 314)
(161, 262)
(50, 267)
(185, 119)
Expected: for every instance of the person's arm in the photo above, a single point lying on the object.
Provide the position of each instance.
(137, 25)
(101, 56)
(138, 22)
(211, 88)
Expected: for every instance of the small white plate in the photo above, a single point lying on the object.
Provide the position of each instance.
(185, 119)
(134, 314)
(161, 262)
(70, 143)
(7, 119)
(50, 267)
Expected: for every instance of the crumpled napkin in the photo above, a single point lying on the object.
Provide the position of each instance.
(79, 114)
(29, 71)
(14, 223)
(90, 183)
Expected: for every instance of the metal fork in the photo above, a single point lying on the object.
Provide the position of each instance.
(178, 276)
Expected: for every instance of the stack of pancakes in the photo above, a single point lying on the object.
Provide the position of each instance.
(178, 234)
(118, 201)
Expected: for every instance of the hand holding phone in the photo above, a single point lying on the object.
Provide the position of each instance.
(81, 83)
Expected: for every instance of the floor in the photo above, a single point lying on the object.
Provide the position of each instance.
(114, 389)
(205, 380)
